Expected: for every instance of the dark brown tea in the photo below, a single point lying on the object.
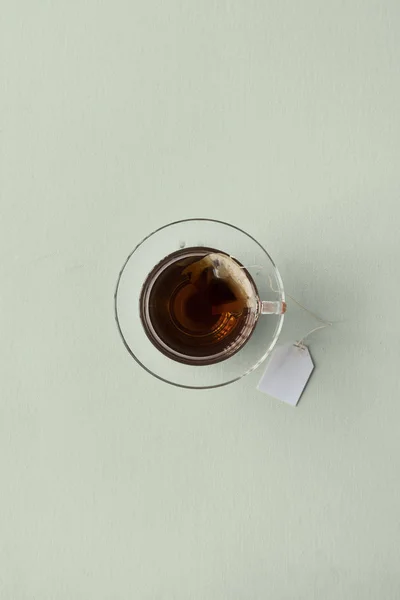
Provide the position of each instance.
(196, 308)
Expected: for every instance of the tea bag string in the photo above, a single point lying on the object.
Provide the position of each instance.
(324, 325)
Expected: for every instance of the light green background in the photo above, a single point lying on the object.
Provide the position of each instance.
(117, 117)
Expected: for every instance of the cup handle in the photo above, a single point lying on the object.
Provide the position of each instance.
(272, 308)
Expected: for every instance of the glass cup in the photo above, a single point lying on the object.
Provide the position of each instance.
(238, 341)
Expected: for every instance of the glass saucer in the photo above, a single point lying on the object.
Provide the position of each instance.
(194, 233)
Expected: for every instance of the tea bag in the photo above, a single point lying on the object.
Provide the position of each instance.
(225, 268)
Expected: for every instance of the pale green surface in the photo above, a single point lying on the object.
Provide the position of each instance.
(282, 117)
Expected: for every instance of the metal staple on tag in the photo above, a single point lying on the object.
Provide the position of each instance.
(300, 345)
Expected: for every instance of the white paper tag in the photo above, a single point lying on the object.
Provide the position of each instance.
(287, 373)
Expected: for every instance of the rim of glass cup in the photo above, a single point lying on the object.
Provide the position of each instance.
(268, 349)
